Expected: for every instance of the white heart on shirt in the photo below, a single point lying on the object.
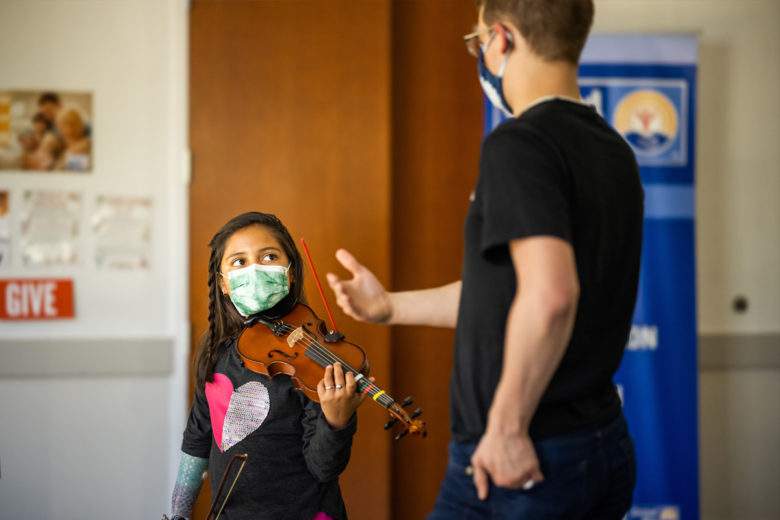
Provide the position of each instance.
(248, 408)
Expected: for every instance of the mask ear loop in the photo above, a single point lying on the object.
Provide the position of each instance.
(224, 293)
(510, 44)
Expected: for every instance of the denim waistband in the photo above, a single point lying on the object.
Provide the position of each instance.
(460, 452)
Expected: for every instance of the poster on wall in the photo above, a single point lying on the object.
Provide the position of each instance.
(36, 299)
(5, 229)
(49, 228)
(42, 131)
(122, 227)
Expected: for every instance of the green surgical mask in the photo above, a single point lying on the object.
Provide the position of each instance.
(257, 288)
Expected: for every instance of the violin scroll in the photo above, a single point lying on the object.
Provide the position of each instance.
(410, 423)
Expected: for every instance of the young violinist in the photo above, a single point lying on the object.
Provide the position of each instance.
(296, 448)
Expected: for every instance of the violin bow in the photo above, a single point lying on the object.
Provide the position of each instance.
(243, 458)
(333, 329)
(365, 385)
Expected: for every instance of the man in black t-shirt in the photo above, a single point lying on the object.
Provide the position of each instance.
(550, 273)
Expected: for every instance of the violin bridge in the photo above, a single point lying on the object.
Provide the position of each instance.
(295, 336)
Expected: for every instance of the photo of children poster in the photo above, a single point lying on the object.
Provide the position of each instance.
(5, 230)
(46, 131)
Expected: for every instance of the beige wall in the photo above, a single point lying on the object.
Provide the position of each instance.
(85, 442)
(738, 232)
(738, 124)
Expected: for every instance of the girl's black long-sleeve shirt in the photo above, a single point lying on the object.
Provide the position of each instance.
(294, 456)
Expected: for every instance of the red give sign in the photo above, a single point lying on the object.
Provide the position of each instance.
(36, 299)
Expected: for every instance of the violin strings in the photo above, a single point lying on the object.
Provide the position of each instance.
(326, 356)
(330, 358)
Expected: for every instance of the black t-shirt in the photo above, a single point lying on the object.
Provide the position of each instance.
(295, 458)
(557, 170)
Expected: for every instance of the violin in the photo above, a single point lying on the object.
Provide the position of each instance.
(301, 346)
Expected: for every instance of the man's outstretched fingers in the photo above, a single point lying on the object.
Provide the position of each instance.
(333, 280)
(349, 262)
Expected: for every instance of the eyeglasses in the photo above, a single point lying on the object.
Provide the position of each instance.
(473, 45)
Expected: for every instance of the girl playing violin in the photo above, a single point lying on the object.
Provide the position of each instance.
(296, 448)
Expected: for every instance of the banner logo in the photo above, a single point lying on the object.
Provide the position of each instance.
(651, 115)
(648, 120)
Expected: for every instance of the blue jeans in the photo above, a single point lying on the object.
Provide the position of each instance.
(588, 475)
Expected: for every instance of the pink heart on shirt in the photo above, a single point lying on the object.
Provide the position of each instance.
(235, 413)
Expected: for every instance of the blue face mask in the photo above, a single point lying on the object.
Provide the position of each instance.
(492, 84)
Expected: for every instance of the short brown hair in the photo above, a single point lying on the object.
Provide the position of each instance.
(554, 29)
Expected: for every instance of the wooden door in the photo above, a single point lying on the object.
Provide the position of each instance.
(290, 114)
(436, 136)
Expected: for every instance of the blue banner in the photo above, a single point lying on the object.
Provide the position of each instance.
(645, 87)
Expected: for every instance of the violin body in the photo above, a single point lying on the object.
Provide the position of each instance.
(301, 346)
(269, 351)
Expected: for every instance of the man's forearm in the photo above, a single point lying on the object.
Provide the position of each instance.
(538, 329)
(437, 307)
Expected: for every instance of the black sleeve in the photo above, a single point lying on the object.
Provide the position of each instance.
(197, 434)
(521, 188)
(326, 450)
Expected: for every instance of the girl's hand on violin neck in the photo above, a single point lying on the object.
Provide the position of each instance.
(362, 297)
(338, 396)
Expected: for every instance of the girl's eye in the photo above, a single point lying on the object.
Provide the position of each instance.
(238, 262)
(270, 257)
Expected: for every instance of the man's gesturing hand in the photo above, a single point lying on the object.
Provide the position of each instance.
(507, 459)
(363, 297)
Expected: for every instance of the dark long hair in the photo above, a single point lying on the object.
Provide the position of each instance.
(224, 320)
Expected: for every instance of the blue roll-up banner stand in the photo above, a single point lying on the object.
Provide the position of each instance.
(645, 87)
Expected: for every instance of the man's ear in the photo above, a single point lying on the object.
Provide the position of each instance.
(507, 38)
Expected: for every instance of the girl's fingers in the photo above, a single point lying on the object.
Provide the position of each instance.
(338, 376)
(328, 378)
(351, 385)
(321, 389)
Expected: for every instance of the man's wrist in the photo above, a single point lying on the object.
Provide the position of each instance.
(505, 424)
(507, 415)
(392, 303)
